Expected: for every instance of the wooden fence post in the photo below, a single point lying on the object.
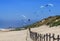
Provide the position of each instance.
(46, 37)
(29, 29)
(53, 37)
(58, 38)
(37, 37)
(49, 36)
(40, 37)
(34, 37)
(43, 37)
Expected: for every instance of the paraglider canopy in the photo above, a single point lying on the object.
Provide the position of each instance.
(48, 6)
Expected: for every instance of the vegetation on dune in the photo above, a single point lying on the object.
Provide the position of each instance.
(50, 21)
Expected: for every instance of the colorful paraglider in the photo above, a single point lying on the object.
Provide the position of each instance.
(47, 6)
(25, 19)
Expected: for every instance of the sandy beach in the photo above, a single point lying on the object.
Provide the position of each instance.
(13, 36)
(23, 34)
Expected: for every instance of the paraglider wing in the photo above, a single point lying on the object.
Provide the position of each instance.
(24, 16)
(51, 5)
(42, 6)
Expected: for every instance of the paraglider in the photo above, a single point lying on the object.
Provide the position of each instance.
(25, 19)
(47, 6)
(42, 8)
(51, 5)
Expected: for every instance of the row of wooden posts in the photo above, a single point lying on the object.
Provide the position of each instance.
(43, 37)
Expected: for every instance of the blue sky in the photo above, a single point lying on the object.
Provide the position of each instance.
(11, 10)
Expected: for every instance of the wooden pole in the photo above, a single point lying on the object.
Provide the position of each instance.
(29, 29)
(58, 38)
(49, 36)
(46, 37)
(53, 37)
(40, 37)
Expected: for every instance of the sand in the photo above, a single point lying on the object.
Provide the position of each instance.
(13, 36)
(46, 29)
(23, 34)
